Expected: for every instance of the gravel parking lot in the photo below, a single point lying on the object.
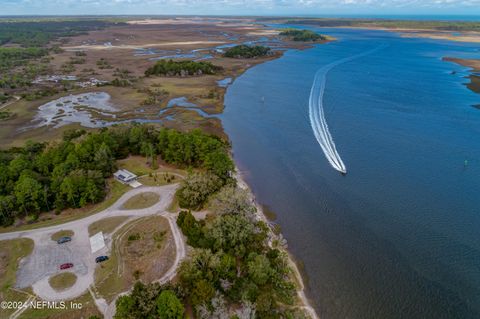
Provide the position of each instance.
(47, 257)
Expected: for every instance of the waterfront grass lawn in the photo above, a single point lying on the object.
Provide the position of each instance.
(62, 281)
(106, 225)
(11, 252)
(141, 166)
(62, 233)
(140, 201)
(160, 178)
(143, 249)
(135, 164)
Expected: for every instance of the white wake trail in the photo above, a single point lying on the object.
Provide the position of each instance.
(316, 113)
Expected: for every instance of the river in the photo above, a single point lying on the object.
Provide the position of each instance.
(398, 236)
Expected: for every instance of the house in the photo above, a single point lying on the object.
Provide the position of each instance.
(124, 176)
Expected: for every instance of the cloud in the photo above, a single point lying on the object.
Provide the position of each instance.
(229, 6)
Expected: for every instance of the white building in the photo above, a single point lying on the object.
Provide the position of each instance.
(125, 176)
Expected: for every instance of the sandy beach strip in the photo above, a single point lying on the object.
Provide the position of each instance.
(133, 47)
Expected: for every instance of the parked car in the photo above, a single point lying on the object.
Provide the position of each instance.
(64, 240)
(66, 266)
(100, 259)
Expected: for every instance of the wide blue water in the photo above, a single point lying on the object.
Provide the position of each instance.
(399, 235)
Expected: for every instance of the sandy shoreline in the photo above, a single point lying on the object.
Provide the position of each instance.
(474, 64)
(463, 36)
(440, 35)
(306, 305)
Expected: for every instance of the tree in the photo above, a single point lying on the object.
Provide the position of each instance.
(247, 311)
(233, 234)
(18, 165)
(219, 163)
(7, 209)
(217, 310)
(191, 228)
(232, 200)
(104, 160)
(148, 150)
(169, 306)
(125, 308)
(29, 194)
(199, 276)
(196, 188)
(259, 269)
(247, 51)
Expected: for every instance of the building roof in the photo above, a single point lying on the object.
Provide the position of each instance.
(124, 175)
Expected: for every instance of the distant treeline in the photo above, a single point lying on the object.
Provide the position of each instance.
(43, 177)
(247, 51)
(384, 23)
(182, 68)
(39, 34)
(302, 35)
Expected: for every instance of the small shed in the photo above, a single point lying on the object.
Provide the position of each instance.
(124, 176)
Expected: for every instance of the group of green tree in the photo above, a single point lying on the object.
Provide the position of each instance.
(40, 32)
(4, 115)
(19, 70)
(302, 35)
(12, 57)
(151, 301)
(247, 51)
(181, 68)
(43, 177)
(4, 97)
(232, 271)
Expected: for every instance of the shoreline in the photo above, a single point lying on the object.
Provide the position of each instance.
(473, 64)
(299, 280)
(463, 36)
(458, 36)
(474, 67)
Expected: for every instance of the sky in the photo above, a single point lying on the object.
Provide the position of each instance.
(241, 7)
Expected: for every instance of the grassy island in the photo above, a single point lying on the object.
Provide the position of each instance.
(302, 35)
(247, 51)
(181, 68)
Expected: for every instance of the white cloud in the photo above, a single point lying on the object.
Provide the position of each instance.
(231, 6)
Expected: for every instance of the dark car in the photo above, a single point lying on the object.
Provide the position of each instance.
(100, 259)
(66, 266)
(64, 240)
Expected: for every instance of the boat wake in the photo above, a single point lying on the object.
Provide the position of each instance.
(317, 114)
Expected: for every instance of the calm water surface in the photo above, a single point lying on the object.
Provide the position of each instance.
(399, 235)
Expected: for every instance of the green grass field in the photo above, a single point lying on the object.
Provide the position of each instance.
(62, 281)
(62, 233)
(140, 201)
(106, 225)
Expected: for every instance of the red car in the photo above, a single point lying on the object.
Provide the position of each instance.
(66, 266)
